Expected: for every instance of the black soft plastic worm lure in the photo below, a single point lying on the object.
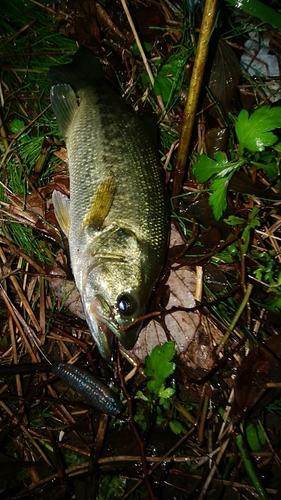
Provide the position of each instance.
(88, 387)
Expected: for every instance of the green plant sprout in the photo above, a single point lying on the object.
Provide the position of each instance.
(254, 135)
(169, 76)
(158, 368)
(252, 223)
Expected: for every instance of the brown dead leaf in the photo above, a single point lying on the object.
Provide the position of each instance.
(34, 210)
(61, 154)
(59, 182)
(194, 334)
(262, 365)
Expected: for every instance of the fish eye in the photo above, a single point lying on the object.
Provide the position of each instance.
(126, 304)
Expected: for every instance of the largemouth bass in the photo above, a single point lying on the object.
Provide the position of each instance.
(117, 217)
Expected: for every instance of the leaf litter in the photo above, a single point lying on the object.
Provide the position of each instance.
(220, 368)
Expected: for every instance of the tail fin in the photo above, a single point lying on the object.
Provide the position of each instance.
(84, 69)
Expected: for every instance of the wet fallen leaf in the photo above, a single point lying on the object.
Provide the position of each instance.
(215, 278)
(225, 75)
(262, 365)
(61, 154)
(194, 334)
(216, 139)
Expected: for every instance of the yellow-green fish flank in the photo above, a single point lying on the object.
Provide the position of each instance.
(117, 217)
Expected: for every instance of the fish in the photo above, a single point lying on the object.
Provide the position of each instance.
(88, 387)
(117, 216)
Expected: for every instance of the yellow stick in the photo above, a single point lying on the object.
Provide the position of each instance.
(209, 14)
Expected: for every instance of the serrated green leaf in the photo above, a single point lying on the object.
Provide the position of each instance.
(254, 132)
(16, 125)
(158, 366)
(166, 393)
(207, 167)
(204, 168)
(218, 198)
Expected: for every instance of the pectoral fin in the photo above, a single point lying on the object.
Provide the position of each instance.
(62, 210)
(65, 106)
(100, 204)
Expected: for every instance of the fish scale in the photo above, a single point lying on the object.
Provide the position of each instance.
(117, 218)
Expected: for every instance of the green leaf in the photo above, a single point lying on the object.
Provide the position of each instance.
(166, 393)
(165, 403)
(158, 366)
(253, 222)
(147, 47)
(233, 220)
(259, 10)
(255, 437)
(141, 420)
(140, 395)
(112, 487)
(222, 170)
(177, 427)
(73, 459)
(218, 198)
(220, 166)
(16, 125)
(274, 305)
(166, 80)
(204, 168)
(254, 132)
(163, 86)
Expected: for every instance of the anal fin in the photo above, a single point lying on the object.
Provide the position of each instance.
(61, 204)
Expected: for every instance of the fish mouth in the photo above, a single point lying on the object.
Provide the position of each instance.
(100, 328)
(103, 326)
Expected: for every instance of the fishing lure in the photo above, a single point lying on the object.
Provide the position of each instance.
(88, 387)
